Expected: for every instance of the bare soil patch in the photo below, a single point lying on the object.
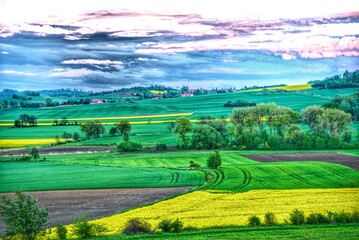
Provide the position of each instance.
(343, 159)
(60, 150)
(65, 206)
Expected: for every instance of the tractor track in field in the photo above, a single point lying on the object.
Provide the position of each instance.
(65, 206)
(138, 162)
(247, 178)
(343, 159)
(299, 178)
(334, 172)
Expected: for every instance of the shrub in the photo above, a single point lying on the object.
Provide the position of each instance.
(317, 218)
(192, 164)
(129, 146)
(254, 221)
(161, 146)
(214, 160)
(175, 226)
(61, 232)
(342, 217)
(83, 229)
(270, 218)
(136, 225)
(296, 217)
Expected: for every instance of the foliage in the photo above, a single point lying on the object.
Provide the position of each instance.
(270, 218)
(136, 225)
(76, 136)
(317, 218)
(113, 131)
(61, 232)
(214, 160)
(183, 126)
(34, 153)
(348, 104)
(82, 228)
(239, 103)
(296, 217)
(347, 80)
(23, 216)
(206, 137)
(93, 129)
(129, 146)
(123, 126)
(254, 221)
(194, 165)
(167, 225)
(161, 146)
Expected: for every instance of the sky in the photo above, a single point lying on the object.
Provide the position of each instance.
(109, 44)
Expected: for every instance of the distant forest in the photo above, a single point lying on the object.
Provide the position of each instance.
(347, 80)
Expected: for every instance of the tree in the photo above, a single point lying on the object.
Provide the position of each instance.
(66, 135)
(171, 126)
(57, 139)
(123, 126)
(17, 123)
(335, 121)
(64, 121)
(55, 122)
(76, 136)
(93, 129)
(183, 126)
(113, 131)
(206, 137)
(34, 153)
(214, 160)
(313, 116)
(23, 216)
(48, 102)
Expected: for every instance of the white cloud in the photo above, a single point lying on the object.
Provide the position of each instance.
(4, 52)
(18, 73)
(100, 64)
(69, 73)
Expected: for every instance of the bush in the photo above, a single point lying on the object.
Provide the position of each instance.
(61, 232)
(317, 218)
(161, 146)
(129, 146)
(270, 218)
(136, 225)
(83, 229)
(296, 217)
(214, 160)
(175, 226)
(254, 221)
(194, 165)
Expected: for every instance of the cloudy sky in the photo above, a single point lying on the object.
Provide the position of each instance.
(109, 44)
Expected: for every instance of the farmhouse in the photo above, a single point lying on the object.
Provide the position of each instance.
(96, 101)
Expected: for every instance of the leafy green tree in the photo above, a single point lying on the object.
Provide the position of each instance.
(76, 136)
(34, 153)
(84, 229)
(23, 216)
(55, 122)
(214, 160)
(64, 121)
(93, 129)
(123, 126)
(336, 121)
(113, 131)
(313, 116)
(136, 225)
(17, 123)
(183, 126)
(206, 137)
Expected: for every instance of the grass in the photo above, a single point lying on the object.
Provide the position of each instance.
(40, 176)
(238, 173)
(285, 232)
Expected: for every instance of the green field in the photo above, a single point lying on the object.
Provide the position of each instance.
(39, 176)
(113, 170)
(321, 232)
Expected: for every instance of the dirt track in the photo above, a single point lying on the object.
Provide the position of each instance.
(65, 206)
(60, 150)
(343, 159)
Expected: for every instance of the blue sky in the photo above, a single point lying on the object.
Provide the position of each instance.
(104, 44)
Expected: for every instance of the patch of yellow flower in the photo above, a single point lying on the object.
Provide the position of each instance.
(25, 142)
(220, 208)
(158, 92)
(288, 88)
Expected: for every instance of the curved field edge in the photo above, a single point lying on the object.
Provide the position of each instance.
(208, 209)
(283, 232)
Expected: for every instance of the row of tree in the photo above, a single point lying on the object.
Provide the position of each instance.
(347, 80)
(269, 126)
(25, 120)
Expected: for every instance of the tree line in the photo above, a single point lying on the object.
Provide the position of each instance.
(346, 80)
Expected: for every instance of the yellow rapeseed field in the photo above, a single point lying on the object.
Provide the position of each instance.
(219, 208)
(158, 92)
(288, 88)
(25, 142)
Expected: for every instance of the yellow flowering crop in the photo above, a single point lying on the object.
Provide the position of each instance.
(219, 208)
(288, 88)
